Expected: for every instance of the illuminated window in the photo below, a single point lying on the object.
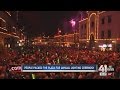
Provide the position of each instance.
(102, 34)
(92, 24)
(109, 19)
(103, 20)
(109, 33)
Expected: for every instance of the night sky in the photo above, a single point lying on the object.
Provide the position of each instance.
(47, 22)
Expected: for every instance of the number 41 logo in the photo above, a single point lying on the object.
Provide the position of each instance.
(103, 68)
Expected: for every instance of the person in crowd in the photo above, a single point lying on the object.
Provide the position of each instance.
(57, 55)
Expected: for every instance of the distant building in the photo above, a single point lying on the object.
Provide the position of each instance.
(9, 32)
(43, 41)
(99, 30)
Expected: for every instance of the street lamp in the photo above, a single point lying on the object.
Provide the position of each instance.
(59, 33)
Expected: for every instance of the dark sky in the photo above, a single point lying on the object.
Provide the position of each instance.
(38, 22)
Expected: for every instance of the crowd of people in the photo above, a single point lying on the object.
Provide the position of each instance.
(57, 55)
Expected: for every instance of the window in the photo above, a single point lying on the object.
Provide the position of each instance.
(9, 27)
(92, 24)
(85, 26)
(82, 27)
(103, 20)
(109, 19)
(102, 34)
(109, 33)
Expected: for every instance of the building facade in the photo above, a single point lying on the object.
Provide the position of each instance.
(100, 30)
(10, 35)
(43, 41)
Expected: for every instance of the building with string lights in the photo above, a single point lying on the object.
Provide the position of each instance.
(10, 34)
(99, 30)
(43, 41)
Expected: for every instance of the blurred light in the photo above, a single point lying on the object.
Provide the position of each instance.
(100, 46)
(8, 12)
(20, 40)
(5, 45)
(110, 49)
(33, 42)
(113, 41)
(59, 31)
(73, 22)
(109, 45)
(104, 45)
(8, 45)
(45, 42)
(19, 44)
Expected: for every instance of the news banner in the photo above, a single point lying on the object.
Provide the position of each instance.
(103, 70)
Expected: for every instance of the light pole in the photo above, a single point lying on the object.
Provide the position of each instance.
(73, 23)
(59, 33)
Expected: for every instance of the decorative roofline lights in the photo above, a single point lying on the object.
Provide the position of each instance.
(8, 13)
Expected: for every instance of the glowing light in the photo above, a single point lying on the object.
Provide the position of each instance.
(100, 46)
(83, 20)
(106, 39)
(20, 44)
(4, 23)
(8, 13)
(89, 23)
(59, 31)
(109, 45)
(8, 45)
(33, 76)
(104, 45)
(97, 25)
(101, 12)
(113, 41)
(14, 27)
(2, 19)
(10, 35)
(4, 28)
(20, 40)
